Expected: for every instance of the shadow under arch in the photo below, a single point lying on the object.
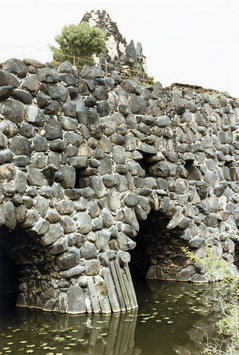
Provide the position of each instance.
(9, 275)
(158, 253)
(23, 257)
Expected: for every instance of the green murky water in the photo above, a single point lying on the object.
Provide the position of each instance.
(173, 318)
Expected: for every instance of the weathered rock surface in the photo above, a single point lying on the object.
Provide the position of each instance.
(82, 177)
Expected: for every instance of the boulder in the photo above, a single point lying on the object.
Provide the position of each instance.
(92, 267)
(35, 116)
(31, 83)
(65, 207)
(157, 90)
(34, 177)
(9, 214)
(21, 146)
(53, 129)
(137, 104)
(68, 224)
(31, 218)
(58, 92)
(131, 51)
(8, 79)
(88, 251)
(68, 259)
(13, 110)
(84, 223)
(76, 300)
(48, 75)
(73, 272)
(163, 121)
(124, 242)
(160, 169)
(15, 66)
(5, 92)
(54, 232)
(131, 87)
(98, 186)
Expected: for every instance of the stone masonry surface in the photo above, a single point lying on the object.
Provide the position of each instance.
(85, 158)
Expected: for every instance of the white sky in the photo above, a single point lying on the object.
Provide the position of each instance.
(190, 41)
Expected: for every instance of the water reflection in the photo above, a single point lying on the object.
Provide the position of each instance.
(178, 318)
(43, 333)
(173, 318)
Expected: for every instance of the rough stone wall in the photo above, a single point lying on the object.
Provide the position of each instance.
(86, 158)
(118, 52)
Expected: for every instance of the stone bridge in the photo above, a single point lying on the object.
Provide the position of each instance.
(90, 165)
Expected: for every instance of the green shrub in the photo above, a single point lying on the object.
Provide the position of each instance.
(151, 80)
(214, 268)
(79, 41)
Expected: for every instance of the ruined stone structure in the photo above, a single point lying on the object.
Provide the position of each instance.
(92, 165)
(118, 52)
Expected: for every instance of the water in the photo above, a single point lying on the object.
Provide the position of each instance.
(173, 318)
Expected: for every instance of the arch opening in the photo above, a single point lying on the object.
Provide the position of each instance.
(9, 279)
(25, 266)
(158, 253)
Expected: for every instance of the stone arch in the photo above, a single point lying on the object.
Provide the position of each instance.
(84, 160)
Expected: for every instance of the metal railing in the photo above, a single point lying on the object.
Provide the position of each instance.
(132, 74)
(126, 73)
(108, 67)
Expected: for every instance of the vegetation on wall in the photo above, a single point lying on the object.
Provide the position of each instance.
(215, 268)
(79, 41)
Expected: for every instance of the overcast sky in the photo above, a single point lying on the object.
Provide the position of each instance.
(190, 41)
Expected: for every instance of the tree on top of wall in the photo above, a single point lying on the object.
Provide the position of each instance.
(79, 41)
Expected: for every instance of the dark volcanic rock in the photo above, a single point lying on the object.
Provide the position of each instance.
(15, 66)
(53, 129)
(68, 259)
(89, 161)
(8, 79)
(48, 75)
(5, 92)
(23, 96)
(35, 116)
(21, 146)
(160, 169)
(13, 110)
(137, 104)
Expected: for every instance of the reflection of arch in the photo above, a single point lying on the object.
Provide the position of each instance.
(88, 334)
(192, 309)
(76, 180)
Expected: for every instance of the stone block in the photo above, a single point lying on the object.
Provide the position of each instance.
(54, 232)
(8, 79)
(76, 300)
(98, 186)
(84, 223)
(65, 207)
(73, 272)
(13, 110)
(68, 259)
(15, 66)
(35, 116)
(88, 251)
(40, 227)
(21, 146)
(92, 267)
(9, 214)
(68, 224)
